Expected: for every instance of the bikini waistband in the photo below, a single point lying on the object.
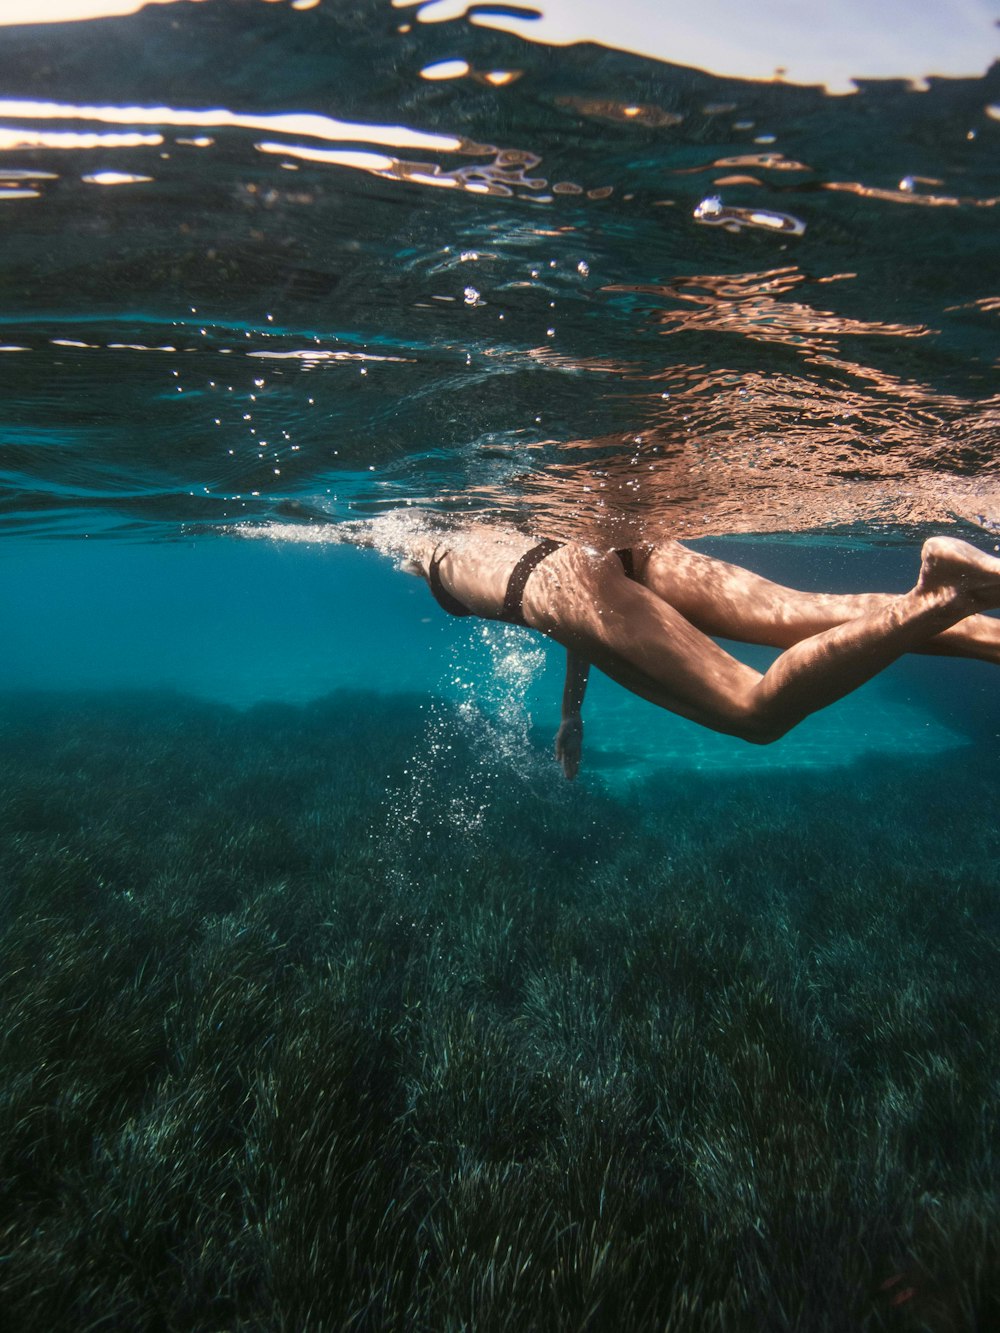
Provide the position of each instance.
(513, 610)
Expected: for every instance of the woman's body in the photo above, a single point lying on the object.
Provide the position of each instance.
(645, 619)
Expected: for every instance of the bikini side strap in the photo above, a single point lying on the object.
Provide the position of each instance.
(512, 609)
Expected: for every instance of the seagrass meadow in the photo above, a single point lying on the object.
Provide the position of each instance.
(280, 1054)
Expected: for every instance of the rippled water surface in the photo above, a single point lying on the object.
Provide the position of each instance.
(263, 260)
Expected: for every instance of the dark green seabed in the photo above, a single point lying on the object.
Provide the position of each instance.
(282, 1050)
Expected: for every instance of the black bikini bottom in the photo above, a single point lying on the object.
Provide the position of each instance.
(512, 610)
(513, 602)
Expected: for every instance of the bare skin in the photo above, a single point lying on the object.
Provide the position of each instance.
(650, 633)
(733, 603)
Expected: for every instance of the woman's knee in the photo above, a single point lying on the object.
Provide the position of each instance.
(758, 725)
(765, 733)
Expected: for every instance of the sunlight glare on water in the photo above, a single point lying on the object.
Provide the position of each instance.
(833, 45)
(600, 287)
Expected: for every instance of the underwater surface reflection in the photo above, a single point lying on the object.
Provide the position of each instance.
(387, 255)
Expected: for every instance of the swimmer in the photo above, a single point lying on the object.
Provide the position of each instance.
(646, 617)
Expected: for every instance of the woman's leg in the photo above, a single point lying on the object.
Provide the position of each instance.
(733, 603)
(649, 647)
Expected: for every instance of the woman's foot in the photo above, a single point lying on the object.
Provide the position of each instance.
(950, 565)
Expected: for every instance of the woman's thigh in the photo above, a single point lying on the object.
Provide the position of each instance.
(639, 640)
(734, 603)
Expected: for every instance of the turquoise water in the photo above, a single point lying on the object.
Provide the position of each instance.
(241, 623)
(327, 1002)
